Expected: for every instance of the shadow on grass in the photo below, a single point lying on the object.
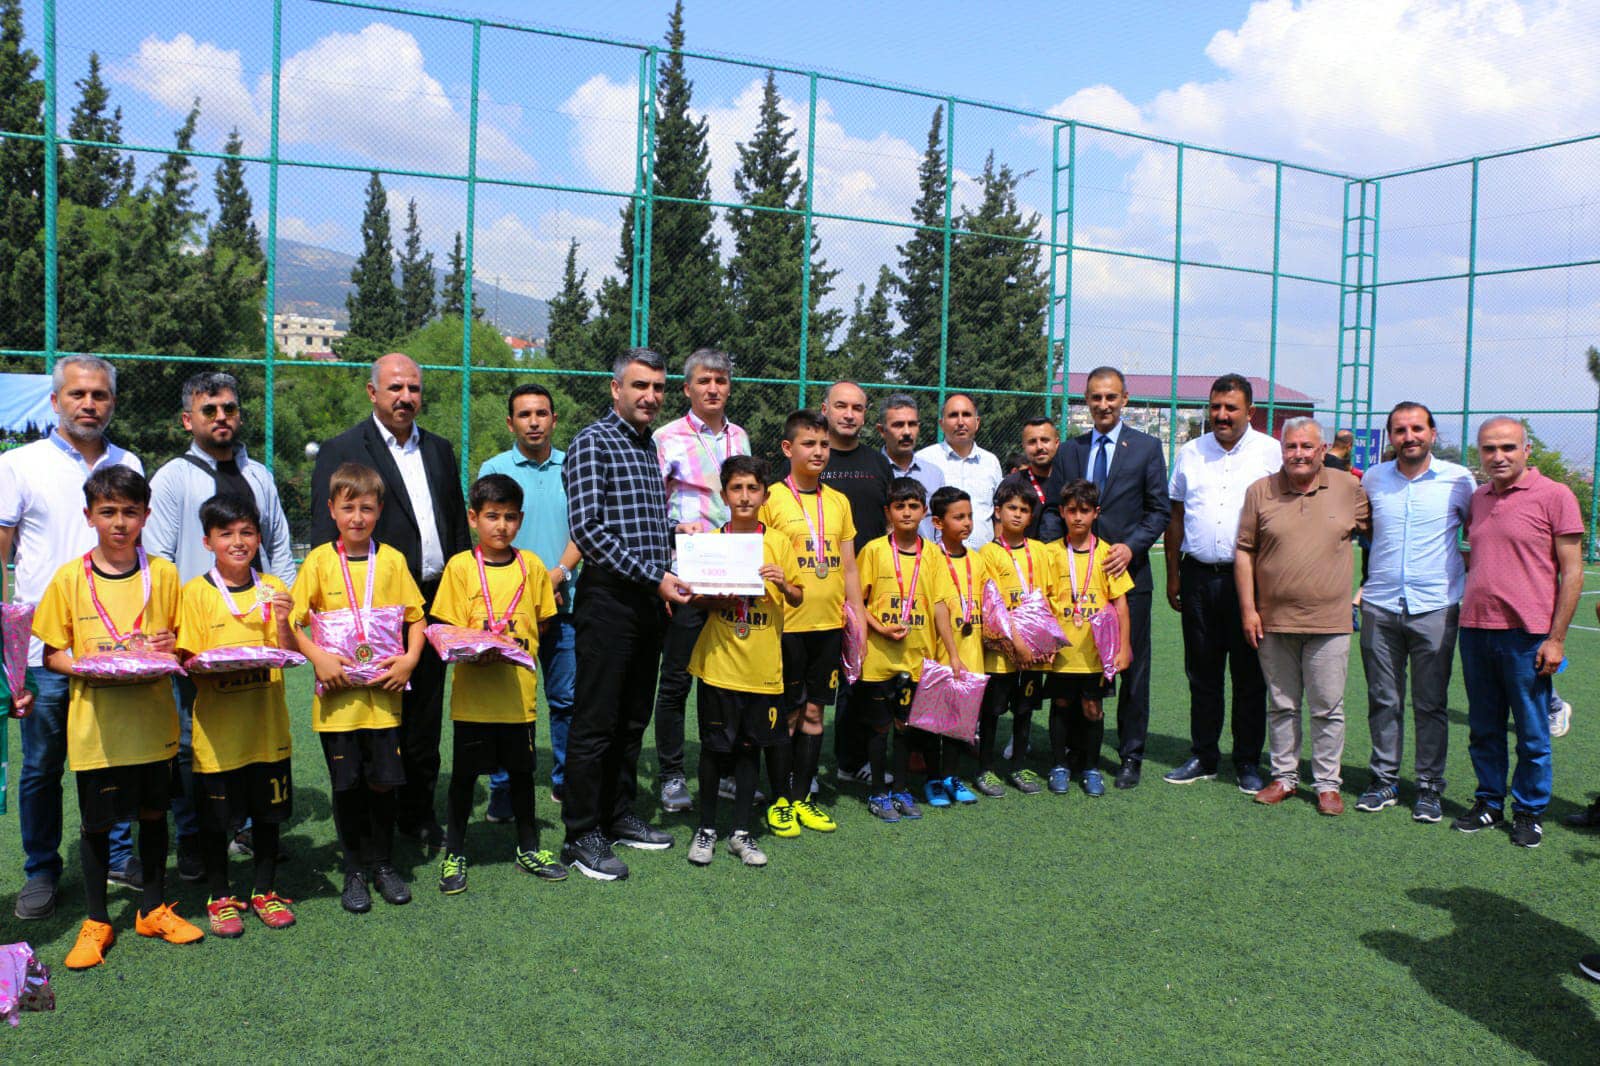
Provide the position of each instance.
(1503, 966)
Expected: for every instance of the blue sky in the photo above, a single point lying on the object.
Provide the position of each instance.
(1349, 85)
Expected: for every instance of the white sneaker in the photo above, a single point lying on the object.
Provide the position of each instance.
(862, 776)
(704, 847)
(725, 790)
(743, 845)
(1561, 720)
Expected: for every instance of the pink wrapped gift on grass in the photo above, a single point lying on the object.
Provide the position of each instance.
(244, 657)
(463, 644)
(855, 643)
(366, 639)
(1107, 631)
(1034, 623)
(24, 982)
(16, 625)
(128, 666)
(947, 705)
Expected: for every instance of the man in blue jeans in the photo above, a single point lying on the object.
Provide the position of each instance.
(534, 463)
(42, 527)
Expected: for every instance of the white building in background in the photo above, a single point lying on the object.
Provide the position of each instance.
(296, 336)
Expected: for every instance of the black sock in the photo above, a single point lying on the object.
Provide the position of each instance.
(522, 811)
(1021, 726)
(807, 757)
(214, 856)
(458, 809)
(988, 725)
(780, 766)
(710, 778)
(153, 857)
(878, 759)
(352, 821)
(264, 840)
(96, 851)
(381, 806)
(902, 760)
(949, 756)
(745, 768)
(1059, 713)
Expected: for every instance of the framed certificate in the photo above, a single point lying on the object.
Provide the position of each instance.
(721, 564)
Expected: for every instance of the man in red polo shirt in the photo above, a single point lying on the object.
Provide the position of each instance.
(1524, 577)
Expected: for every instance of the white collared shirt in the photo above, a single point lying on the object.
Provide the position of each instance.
(408, 457)
(978, 474)
(1210, 484)
(1111, 449)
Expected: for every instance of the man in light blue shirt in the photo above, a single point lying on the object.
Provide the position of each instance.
(1410, 606)
(535, 464)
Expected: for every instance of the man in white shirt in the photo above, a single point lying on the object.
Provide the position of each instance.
(1207, 488)
(42, 527)
(965, 465)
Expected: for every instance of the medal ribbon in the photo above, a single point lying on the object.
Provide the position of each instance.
(1037, 488)
(1028, 553)
(118, 637)
(966, 597)
(820, 528)
(497, 626)
(350, 589)
(906, 601)
(1072, 579)
(233, 607)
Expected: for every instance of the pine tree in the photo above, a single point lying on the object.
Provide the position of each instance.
(95, 177)
(569, 341)
(921, 277)
(171, 189)
(867, 352)
(374, 305)
(416, 276)
(21, 188)
(453, 296)
(236, 227)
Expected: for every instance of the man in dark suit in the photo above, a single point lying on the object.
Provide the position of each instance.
(425, 518)
(1130, 471)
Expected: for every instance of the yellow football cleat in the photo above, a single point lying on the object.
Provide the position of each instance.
(811, 815)
(780, 819)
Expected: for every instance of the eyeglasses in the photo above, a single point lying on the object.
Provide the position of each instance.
(210, 409)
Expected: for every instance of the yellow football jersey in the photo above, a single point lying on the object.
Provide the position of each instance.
(495, 692)
(823, 606)
(754, 662)
(1096, 589)
(885, 598)
(1015, 571)
(970, 570)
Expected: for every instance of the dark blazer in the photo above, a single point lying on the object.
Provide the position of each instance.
(397, 525)
(1133, 506)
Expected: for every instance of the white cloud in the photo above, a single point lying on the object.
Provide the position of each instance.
(294, 228)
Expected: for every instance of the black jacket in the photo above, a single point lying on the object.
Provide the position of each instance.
(1133, 505)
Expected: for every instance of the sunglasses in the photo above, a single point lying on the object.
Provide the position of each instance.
(210, 410)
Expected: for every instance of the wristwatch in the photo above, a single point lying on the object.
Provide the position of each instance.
(566, 575)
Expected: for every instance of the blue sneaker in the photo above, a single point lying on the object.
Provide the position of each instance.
(936, 791)
(1093, 783)
(882, 807)
(1060, 780)
(959, 791)
(906, 804)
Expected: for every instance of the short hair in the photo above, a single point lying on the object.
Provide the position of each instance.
(943, 497)
(351, 480)
(1105, 372)
(58, 376)
(907, 488)
(226, 508)
(529, 389)
(1081, 492)
(1504, 420)
(967, 396)
(799, 420)
(648, 356)
(1344, 436)
(1015, 487)
(1408, 405)
(1016, 459)
(713, 359)
(494, 488)
(1041, 420)
(897, 400)
(1293, 425)
(114, 481)
(1234, 383)
(743, 466)
(208, 383)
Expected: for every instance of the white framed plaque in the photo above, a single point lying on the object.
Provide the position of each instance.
(721, 564)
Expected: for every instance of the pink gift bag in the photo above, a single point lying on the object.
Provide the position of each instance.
(1107, 631)
(128, 666)
(1035, 624)
(24, 982)
(337, 631)
(855, 643)
(16, 625)
(996, 616)
(463, 644)
(947, 705)
(244, 657)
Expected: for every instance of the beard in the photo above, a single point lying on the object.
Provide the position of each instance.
(80, 434)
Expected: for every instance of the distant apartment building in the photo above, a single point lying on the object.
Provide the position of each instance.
(301, 336)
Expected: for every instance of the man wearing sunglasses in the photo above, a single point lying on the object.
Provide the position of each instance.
(216, 462)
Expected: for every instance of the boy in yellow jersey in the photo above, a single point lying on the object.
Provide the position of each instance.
(907, 596)
(122, 739)
(360, 726)
(1017, 564)
(951, 509)
(739, 661)
(493, 704)
(1076, 683)
(816, 521)
(241, 722)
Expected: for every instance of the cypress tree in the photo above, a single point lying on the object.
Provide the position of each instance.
(921, 275)
(867, 352)
(95, 177)
(21, 188)
(374, 304)
(236, 227)
(416, 276)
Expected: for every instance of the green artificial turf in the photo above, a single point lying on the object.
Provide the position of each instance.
(1162, 924)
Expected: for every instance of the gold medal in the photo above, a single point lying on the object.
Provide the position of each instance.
(136, 642)
(364, 653)
(822, 568)
(966, 629)
(263, 595)
(741, 630)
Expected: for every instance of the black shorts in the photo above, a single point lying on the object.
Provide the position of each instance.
(997, 695)
(363, 757)
(1028, 692)
(1074, 687)
(732, 720)
(811, 667)
(883, 702)
(115, 794)
(260, 791)
(484, 747)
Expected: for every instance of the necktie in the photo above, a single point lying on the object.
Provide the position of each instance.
(1100, 463)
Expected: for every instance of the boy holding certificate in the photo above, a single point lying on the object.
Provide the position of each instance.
(360, 725)
(493, 704)
(817, 523)
(739, 661)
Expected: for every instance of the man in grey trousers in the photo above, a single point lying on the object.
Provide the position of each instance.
(1409, 607)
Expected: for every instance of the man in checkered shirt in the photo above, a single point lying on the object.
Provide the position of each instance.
(617, 511)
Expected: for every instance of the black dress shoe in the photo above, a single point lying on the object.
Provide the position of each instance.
(355, 898)
(391, 886)
(1128, 774)
(1588, 818)
(631, 831)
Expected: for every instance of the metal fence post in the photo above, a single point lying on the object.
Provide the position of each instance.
(644, 198)
(1472, 296)
(271, 347)
(1177, 299)
(51, 192)
(805, 269)
(466, 301)
(1272, 329)
(944, 287)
